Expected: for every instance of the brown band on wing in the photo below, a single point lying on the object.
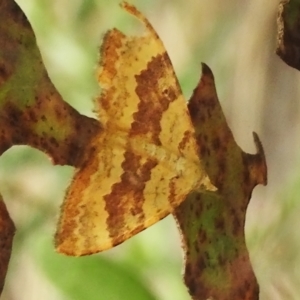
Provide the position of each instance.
(126, 197)
(149, 90)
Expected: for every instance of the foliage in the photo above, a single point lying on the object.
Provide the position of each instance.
(23, 178)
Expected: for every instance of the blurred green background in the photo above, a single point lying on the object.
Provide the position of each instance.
(257, 92)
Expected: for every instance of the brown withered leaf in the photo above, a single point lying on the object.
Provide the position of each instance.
(32, 111)
(145, 162)
(7, 231)
(288, 32)
(217, 264)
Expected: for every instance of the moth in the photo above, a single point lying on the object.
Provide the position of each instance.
(145, 161)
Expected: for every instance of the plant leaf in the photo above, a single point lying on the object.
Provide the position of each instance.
(7, 231)
(217, 263)
(32, 112)
(288, 32)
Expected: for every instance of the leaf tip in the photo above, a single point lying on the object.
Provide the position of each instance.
(206, 70)
(260, 159)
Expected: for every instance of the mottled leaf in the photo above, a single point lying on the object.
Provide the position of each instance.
(7, 231)
(288, 32)
(217, 264)
(32, 112)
